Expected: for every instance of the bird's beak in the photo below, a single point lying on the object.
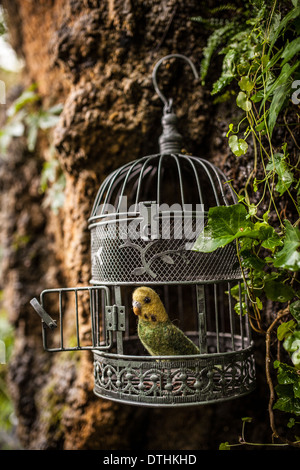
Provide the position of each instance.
(136, 307)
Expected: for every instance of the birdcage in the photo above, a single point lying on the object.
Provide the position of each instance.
(143, 224)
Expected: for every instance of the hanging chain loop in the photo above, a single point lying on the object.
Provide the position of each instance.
(169, 102)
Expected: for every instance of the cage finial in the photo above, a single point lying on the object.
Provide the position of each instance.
(170, 140)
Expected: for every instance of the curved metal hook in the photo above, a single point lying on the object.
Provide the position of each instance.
(168, 103)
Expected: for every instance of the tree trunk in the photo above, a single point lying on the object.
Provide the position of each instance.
(96, 57)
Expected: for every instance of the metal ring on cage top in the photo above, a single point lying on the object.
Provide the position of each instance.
(168, 103)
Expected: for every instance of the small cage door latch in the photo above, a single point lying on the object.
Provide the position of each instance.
(115, 318)
(43, 314)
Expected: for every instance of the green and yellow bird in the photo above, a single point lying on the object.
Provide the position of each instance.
(155, 330)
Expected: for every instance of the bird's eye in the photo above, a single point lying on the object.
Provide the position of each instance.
(147, 300)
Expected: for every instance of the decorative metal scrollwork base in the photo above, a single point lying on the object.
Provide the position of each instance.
(150, 382)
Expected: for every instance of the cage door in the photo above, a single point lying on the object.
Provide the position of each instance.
(76, 318)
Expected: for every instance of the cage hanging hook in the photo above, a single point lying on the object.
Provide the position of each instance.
(169, 102)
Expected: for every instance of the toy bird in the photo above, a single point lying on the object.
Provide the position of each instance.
(155, 329)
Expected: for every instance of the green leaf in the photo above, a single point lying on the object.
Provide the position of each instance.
(32, 121)
(292, 345)
(241, 308)
(47, 120)
(247, 419)
(28, 96)
(225, 224)
(246, 84)
(284, 22)
(259, 303)
(270, 239)
(224, 446)
(286, 374)
(285, 329)
(285, 175)
(56, 108)
(296, 389)
(287, 404)
(288, 257)
(250, 260)
(49, 173)
(281, 94)
(243, 102)
(275, 23)
(238, 146)
(278, 291)
(290, 50)
(281, 80)
(291, 423)
(214, 41)
(295, 310)
(228, 72)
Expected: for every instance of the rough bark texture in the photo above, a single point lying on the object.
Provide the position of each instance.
(97, 57)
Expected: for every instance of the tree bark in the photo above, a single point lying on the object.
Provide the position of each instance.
(97, 58)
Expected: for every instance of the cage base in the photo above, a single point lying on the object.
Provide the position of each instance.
(197, 380)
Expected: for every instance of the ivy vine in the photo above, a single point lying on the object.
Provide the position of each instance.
(259, 47)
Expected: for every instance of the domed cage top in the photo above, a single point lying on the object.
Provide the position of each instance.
(147, 216)
(144, 222)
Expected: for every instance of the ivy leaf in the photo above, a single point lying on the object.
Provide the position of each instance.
(238, 146)
(243, 102)
(288, 257)
(241, 308)
(285, 329)
(225, 224)
(287, 403)
(270, 239)
(292, 345)
(250, 260)
(296, 389)
(286, 374)
(287, 389)
(295, 310)
(285, 176)
(278, 291)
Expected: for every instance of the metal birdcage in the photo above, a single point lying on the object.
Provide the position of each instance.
(144, 223)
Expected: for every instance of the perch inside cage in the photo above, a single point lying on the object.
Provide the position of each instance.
(144, 222)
